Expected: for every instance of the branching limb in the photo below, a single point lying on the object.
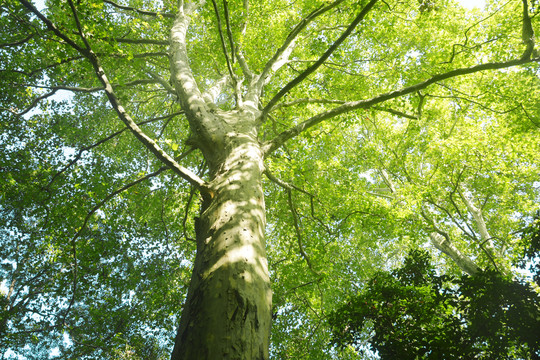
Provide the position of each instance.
(140, 55)
(183, 80)
(236, 83)
(78, 23)
(17, 42)
(467, 98)
(527, 34)
(321, 60)
(387, 180)
(185, 173)
(112, 195)
(53, 27)
(282, 54)
(243, 64)
(51, 66)
(246, 16)
(487, 244)
(488, 250)
(75, 237)
(466, 33)
(139, 11)
(212, 93)
(286, 135)
(395, 112)
(60, 87)
(529, 116)
(115, 103)
(299, 233)
(162, 82)
(478, 217)
(340, 102)
(289, 188)
(283, 184)
(137, 41)
(470, 234)
(34, 103)
(238, 50)
(306, 101)
(223, 44)
(102, 141)
(390, 187)
(229, 31)
(441, 240)
(291, 38)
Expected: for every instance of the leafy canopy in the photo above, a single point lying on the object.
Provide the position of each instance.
(96, 236)
(413, 313)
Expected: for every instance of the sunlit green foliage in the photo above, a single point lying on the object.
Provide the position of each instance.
(92, 267)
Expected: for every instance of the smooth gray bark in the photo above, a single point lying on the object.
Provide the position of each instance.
(444, 245)
(227, 314)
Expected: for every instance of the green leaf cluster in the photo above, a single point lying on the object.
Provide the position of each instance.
(414, 313)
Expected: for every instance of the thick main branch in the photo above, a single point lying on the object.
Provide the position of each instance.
(115, 103)
(286, 135)
(183, 80)
(281, 55)
(321, 60)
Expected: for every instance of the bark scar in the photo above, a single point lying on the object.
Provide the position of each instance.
(246, 312)
(208, 194)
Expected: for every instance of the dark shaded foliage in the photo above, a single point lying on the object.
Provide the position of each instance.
(530, 259)
(413, 313)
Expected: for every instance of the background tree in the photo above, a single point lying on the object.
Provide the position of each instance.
(417, 314)
(135, 136)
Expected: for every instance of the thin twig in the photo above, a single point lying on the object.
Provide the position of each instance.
(33, 104)
(17, 42)
(78, 23)
(289, 41)
(299, 233)
(87, 148)
(73, 240)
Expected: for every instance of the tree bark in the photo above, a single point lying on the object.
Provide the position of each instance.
(227, 314)
(444, 245)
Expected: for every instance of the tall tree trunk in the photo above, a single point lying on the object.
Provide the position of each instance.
(227, 314)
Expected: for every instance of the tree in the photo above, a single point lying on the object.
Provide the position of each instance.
(417, 314)
(531, 248)
(378, 125)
